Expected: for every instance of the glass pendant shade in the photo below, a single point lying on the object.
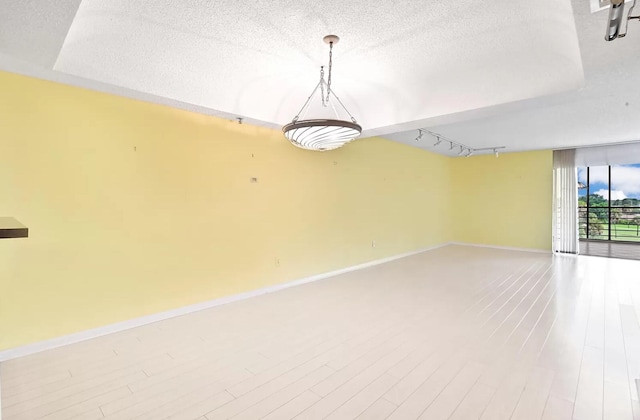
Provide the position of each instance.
(321, 134)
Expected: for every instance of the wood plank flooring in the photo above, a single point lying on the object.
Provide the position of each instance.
(455, 333)
(629, 251)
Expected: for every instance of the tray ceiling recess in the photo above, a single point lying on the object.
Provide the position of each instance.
(528, 75)
(399, 64)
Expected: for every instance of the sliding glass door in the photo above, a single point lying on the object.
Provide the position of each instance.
(609, 203)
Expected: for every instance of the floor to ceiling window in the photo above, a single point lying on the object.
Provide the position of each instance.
(609, 203)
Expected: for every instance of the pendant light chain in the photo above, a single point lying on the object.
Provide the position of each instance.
(330, 67)
(322, 133)
(324, 102)
(325, 98)
(345, 108)
(306, 104)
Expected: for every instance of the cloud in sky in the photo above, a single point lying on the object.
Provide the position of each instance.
(582, 175)
(624, 179)
(615, 194)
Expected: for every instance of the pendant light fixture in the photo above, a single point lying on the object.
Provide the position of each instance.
(322, 134)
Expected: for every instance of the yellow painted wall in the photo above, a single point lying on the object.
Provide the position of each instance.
(504, 201)
(135, 208)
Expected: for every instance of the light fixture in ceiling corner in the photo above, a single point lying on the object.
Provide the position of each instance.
(616, 17)
(323, 134)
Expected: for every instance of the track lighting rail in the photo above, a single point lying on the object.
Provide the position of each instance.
(465, 150)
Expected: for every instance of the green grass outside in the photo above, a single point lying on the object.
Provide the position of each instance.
(629, 233)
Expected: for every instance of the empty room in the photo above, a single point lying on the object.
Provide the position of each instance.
(326, 209)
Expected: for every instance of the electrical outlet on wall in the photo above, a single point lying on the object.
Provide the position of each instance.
(373, 244)
(276, 262)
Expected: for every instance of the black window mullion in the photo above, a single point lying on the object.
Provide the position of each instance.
(609, 202)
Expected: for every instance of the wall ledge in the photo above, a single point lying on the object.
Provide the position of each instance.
(28, 349)
(11, 228)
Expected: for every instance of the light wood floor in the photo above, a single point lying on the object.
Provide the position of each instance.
(610, 249)
(456, 333)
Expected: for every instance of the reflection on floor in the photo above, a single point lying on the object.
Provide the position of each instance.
(610, 249)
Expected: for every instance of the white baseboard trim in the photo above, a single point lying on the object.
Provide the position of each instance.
(506, 248)
(53, 343)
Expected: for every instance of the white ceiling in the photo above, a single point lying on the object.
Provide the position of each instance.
(605, 110)
(491, 73)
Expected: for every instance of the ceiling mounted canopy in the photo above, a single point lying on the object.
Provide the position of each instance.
(322, 134)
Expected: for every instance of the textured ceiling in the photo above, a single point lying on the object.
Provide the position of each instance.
(515, 73)
(33, 33)
(397, 62)
(606, 110)
(400, 64)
